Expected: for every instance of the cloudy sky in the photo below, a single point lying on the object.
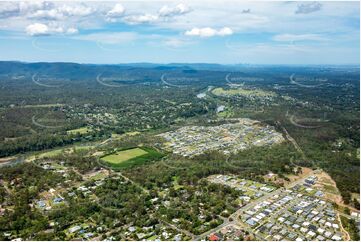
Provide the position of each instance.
(254, 32)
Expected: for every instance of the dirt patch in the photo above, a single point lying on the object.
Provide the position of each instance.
(98, 153)
(281, 181)
(6, 159)
(96, 175)
(304, 172)
(326, 184)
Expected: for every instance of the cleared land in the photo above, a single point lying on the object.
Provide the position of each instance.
(130, 157)
(51, 153)
(70, 149)
(82, 130)
(124, 155)
(242, 92)
(228, 138)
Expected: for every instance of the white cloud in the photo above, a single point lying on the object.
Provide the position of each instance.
(140, 19)
(306, 8)
(163, 14)
(298, 37)
(72, 31)
(8, 9)
(225, 31)
(75, 10)
(180, 9)
(31, 6)
(47, 14)
(265, 17)
(62, 12)
(209, 32)
(38, 29)
(117, 11)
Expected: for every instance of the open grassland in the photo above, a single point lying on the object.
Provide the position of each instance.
(56, 152)
(130, 157)
(51, 153)
(121, 136)
(82, 130)
(124, 155)
(242, 92)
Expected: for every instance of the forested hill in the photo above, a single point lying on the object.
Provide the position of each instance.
(74, 70)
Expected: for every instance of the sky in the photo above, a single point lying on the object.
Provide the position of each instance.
(197, 31)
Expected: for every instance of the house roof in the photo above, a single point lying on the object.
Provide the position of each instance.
(214, 237)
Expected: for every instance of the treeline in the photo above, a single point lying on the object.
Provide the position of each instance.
(44, 141)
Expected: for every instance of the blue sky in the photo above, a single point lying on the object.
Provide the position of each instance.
(206, 31)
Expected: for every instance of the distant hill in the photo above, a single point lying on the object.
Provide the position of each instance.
(75, 69)
(146, 71)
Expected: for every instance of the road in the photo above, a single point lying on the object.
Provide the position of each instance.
(134, 183)
(178, 229)
(292, 140)
(347, 235)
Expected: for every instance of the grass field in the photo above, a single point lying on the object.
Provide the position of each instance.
(120, 136)
(82, 130)
(130, 157)
(124, 155)
(51, 153)
(57, 152)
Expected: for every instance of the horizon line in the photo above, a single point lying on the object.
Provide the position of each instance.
(178, 63)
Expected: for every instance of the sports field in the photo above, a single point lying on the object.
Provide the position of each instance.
(124, 155)
(130, 157)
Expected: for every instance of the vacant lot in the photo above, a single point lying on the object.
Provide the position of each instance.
(124, 155)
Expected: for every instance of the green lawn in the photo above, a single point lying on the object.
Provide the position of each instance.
(124, 155)
(56, 152)
(51, 153)
(82, 130)
(130, 157)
